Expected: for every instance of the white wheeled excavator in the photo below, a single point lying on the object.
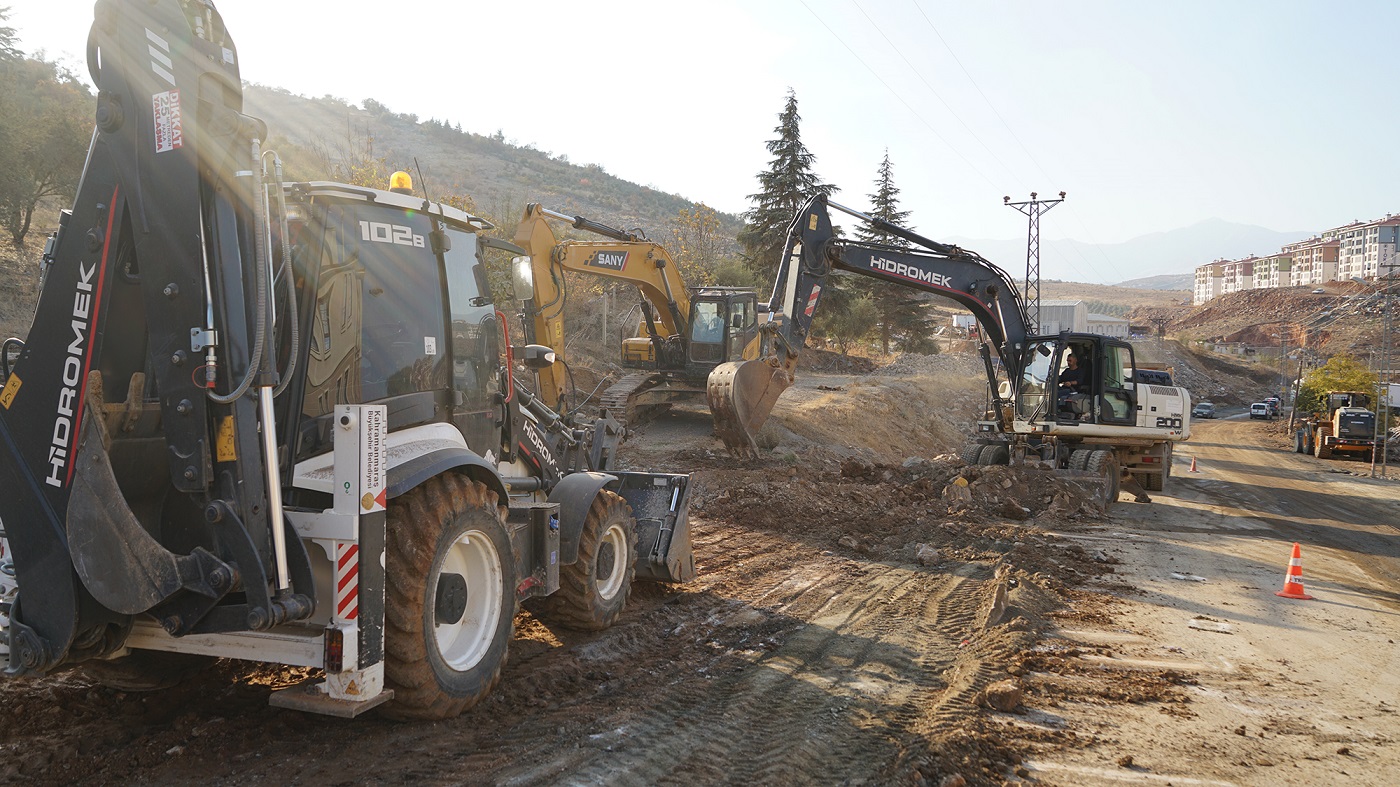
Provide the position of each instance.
(1098, 418)
(280, 421)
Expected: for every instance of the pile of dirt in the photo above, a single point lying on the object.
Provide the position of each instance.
(1208, 377)
(919, 405)
(920, 511)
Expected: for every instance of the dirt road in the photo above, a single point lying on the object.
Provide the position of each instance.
(1273, 691)
(852, 622)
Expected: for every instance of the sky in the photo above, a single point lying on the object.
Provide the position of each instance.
(1150, 116)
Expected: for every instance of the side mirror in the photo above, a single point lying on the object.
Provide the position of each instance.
(439, 241)
(537, 356)
(523, 277)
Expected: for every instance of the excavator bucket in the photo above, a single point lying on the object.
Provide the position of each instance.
(741, 396)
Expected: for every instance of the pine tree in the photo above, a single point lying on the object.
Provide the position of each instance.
(9, 38)
(901, 311)
(787, 183)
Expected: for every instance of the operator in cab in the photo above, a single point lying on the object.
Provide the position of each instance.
(1072, 376)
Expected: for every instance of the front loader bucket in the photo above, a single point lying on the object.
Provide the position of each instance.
(741, 395)
(661, 505)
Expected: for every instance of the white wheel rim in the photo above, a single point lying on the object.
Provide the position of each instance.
(463, 644)
(616, 537)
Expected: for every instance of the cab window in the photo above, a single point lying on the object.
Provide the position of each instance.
(377, 329)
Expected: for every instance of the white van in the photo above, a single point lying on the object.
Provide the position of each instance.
(1259, 410)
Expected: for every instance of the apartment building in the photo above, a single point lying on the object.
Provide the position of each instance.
(1361, 249)
(1208, 281)
(1273, 271)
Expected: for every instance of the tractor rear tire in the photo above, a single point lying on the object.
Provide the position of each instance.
(593, 590)
(146, 670)
(1103, 462)
(995, 454)
(450, 597)
(1320, 447)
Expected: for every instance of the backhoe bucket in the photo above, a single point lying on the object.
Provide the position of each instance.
(660, 503)
(741, 396)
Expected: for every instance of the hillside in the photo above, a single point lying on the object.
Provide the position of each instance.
(1326, 324)
(1116, 300)
(317, 135)
(1170, 281)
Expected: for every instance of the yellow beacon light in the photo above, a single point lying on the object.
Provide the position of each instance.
(401, 183)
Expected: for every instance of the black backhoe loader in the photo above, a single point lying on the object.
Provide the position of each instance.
(282, 421)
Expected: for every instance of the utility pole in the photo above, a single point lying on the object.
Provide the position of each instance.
(1383, 403)
(1161, 324)
(1033, 209)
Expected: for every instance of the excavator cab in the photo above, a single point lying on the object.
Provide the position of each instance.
(723, 322)
(1077, 379)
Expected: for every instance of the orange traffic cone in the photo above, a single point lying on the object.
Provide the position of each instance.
(1293, 580)
(1193, 465)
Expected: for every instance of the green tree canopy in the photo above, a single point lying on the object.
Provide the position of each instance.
(852, 323)
(787, 183)
(45, 127)
(1340, 373)
(9, 38)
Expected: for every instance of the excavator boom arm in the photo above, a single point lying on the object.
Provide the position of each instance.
(742, 394)
(813, 251)
(626, 257)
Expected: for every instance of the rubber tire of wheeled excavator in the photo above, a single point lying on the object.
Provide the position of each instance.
(1104, 462)
(972, 452)
(146, 670)
(1297, 442)
(1156, 482)
(422, 524)
(1079, 458)
(578, 603)
(995, 454)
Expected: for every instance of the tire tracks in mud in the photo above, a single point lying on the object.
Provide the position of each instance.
(781, 664)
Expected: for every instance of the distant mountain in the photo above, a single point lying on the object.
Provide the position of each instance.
(1170, 281)
(1176, 251)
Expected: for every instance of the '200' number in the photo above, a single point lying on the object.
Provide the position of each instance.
(381, 232)
(1169, 423)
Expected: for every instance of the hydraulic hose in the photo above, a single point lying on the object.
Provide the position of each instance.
(260, 257)
(289, 273)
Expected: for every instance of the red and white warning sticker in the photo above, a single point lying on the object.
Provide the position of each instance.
(169, 127)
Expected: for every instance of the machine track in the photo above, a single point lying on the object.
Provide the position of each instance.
(619, 400)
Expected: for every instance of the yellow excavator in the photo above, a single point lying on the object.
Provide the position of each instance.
(683, 335)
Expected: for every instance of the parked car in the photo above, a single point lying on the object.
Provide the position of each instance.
(1319, 291)
(1203, 410)
(1260, 410)
(1275, 406)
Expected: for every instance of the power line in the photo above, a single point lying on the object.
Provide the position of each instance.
(1024, 149)
(896, 94)
(973, 167)
(935, 93)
